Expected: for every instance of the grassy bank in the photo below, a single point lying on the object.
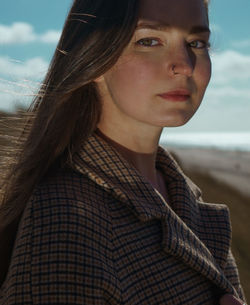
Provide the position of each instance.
(217, 192)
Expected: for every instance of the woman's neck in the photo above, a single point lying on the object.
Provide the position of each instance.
(142, 157)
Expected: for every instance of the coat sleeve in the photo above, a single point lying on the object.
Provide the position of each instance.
(61, 255)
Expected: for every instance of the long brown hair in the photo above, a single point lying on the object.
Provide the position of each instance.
(67, 107)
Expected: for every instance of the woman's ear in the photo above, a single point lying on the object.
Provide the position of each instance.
(100, 83)
(99, 79)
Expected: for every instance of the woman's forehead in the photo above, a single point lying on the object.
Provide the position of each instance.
(176, 13)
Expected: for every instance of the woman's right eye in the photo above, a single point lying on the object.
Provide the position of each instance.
(148, 42)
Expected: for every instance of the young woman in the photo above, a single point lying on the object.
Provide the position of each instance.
(104, 215)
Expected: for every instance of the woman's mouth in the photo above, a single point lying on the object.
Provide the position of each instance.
(176, 95)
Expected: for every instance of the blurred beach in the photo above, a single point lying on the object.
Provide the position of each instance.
(228, 166)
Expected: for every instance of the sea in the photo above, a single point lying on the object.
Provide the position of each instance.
(236, 141)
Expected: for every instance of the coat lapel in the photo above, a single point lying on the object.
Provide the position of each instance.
(196, 232)
(185, 233)
(180, 241)
(107, 168)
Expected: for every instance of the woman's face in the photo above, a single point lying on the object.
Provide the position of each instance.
(161, 77)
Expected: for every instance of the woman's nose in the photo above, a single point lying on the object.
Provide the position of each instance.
(181, 63)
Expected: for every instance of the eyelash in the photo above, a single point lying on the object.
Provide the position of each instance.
(205, 45)
(139, 42)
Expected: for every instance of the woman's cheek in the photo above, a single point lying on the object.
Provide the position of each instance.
(205, 69)
(137, 69)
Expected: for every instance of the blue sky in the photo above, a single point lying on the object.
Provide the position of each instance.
(29, 30)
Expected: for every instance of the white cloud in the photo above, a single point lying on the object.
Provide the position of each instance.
(230, 83)
(19, 81)
(228, 95)
(18, 32)
(21, 32)
(12, 94)
(50, 37)
(33, 68)
(230, 66)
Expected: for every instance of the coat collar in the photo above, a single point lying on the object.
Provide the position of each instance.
(182, 222)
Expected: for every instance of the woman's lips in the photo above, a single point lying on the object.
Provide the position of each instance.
(176, 95)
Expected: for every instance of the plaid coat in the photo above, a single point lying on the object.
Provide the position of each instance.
(100, 234)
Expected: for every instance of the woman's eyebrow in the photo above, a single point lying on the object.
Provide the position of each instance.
(200, 29)
(163, 27)
(153, 26)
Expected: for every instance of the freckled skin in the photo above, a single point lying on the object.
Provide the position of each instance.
(130, 89)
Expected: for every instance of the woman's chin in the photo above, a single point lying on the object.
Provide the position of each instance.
(175, 121)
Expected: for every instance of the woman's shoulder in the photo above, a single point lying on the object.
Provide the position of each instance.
(63, 181)
(63, 220)
(66, 194)
(66, 183)
(64, 210)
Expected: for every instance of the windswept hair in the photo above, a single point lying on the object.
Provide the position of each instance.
(67, 107)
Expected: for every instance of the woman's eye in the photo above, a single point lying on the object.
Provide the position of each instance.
(199, 44)
(148, 42)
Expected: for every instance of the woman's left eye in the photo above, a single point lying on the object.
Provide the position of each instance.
(148, 42)
(199, 44)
